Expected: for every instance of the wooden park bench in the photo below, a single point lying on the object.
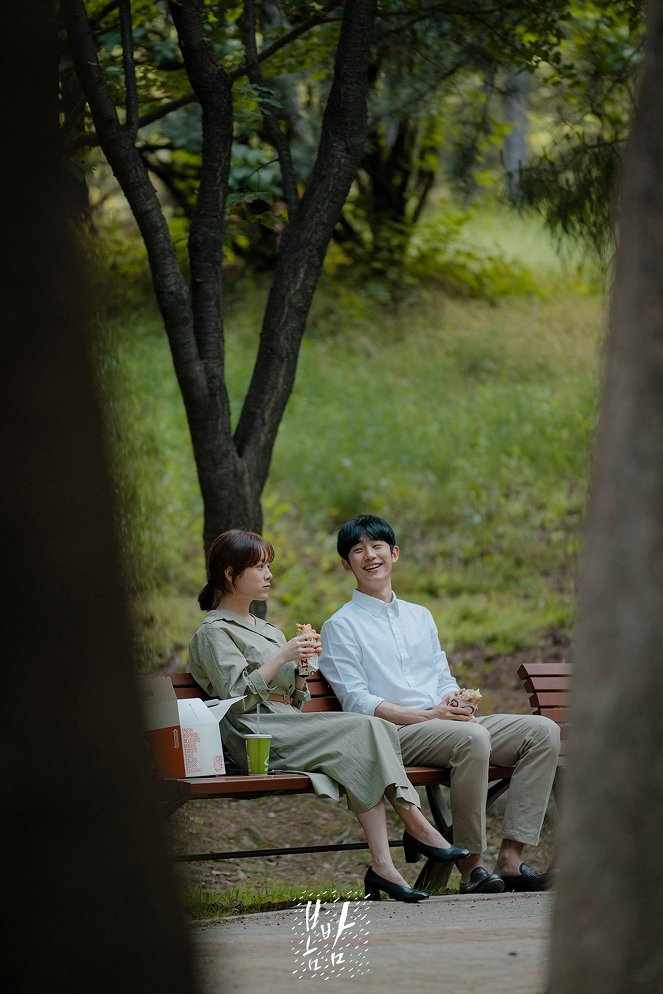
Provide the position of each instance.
(547, 686)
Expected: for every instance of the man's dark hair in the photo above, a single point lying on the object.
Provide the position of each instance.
(364, 526)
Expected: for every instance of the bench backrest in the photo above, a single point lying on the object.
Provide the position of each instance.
(546, 683)
(548, 686)
(322, 696)
(186, 687)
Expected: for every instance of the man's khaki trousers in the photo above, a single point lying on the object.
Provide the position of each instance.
(528, 742)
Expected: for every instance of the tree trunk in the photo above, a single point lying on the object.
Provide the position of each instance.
(610, 904)
(89, 903)
(233, 470)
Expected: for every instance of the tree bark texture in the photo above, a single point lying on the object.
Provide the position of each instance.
(607, 935)
(232, 471)
(89, 903)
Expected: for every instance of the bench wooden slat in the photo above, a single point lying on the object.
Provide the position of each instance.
(321, 704)
(547, 683)
(185, 681)
(188, 693)
(550, 698)
(323, 697)
(560, 715)
(239, 786)
(545, 669)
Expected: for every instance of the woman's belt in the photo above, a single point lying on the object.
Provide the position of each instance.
(281, 698)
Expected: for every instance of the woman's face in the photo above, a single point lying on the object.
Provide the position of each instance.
(254, 582)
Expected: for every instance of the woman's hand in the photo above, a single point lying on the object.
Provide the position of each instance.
(303, 646)
(298, 648)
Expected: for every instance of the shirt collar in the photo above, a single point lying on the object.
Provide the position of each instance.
(374, 605)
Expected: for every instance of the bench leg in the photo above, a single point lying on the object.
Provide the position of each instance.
(171, 798)
(558, 787)
(440, 810)
(434, 876)
(496, 790)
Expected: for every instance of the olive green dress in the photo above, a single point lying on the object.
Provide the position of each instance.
(342, 752)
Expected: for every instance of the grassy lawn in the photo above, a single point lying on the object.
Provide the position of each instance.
(467, 422)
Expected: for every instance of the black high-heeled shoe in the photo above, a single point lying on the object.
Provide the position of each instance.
(414, 850)
(373, 884)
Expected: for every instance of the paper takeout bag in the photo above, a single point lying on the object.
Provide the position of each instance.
(201, 735)
(162, 725)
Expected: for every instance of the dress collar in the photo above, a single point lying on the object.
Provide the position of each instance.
(218, 614)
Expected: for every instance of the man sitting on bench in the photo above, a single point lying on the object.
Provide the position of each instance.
(382, 657)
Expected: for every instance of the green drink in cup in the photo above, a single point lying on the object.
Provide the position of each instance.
(257, 753)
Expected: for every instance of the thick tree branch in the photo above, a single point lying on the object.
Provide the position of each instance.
(214, 91)
(158, 113)
(273, 132)
(305, 241)
(125, 161)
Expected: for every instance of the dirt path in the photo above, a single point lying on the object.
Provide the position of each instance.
(452, 945)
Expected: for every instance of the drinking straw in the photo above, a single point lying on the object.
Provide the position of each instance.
(258, 718)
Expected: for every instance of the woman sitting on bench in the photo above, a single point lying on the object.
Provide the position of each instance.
(234, 654)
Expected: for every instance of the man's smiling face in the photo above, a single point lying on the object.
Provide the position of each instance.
(371, 560)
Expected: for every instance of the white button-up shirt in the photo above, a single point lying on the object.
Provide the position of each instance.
(374, 652)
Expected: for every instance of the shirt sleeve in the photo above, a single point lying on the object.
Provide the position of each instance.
(221, 669)
(300, 697)
(445, 682)
(340, 664)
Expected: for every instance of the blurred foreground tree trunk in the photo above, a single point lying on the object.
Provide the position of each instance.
(609, 909)
(88, 899)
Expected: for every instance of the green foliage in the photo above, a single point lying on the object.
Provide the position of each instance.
(575, 190)
(440, 252)
(587, 96)
(435, 111)
(467, 422)
(451, 249)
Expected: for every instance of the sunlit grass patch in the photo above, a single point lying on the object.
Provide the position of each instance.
(272, 896)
